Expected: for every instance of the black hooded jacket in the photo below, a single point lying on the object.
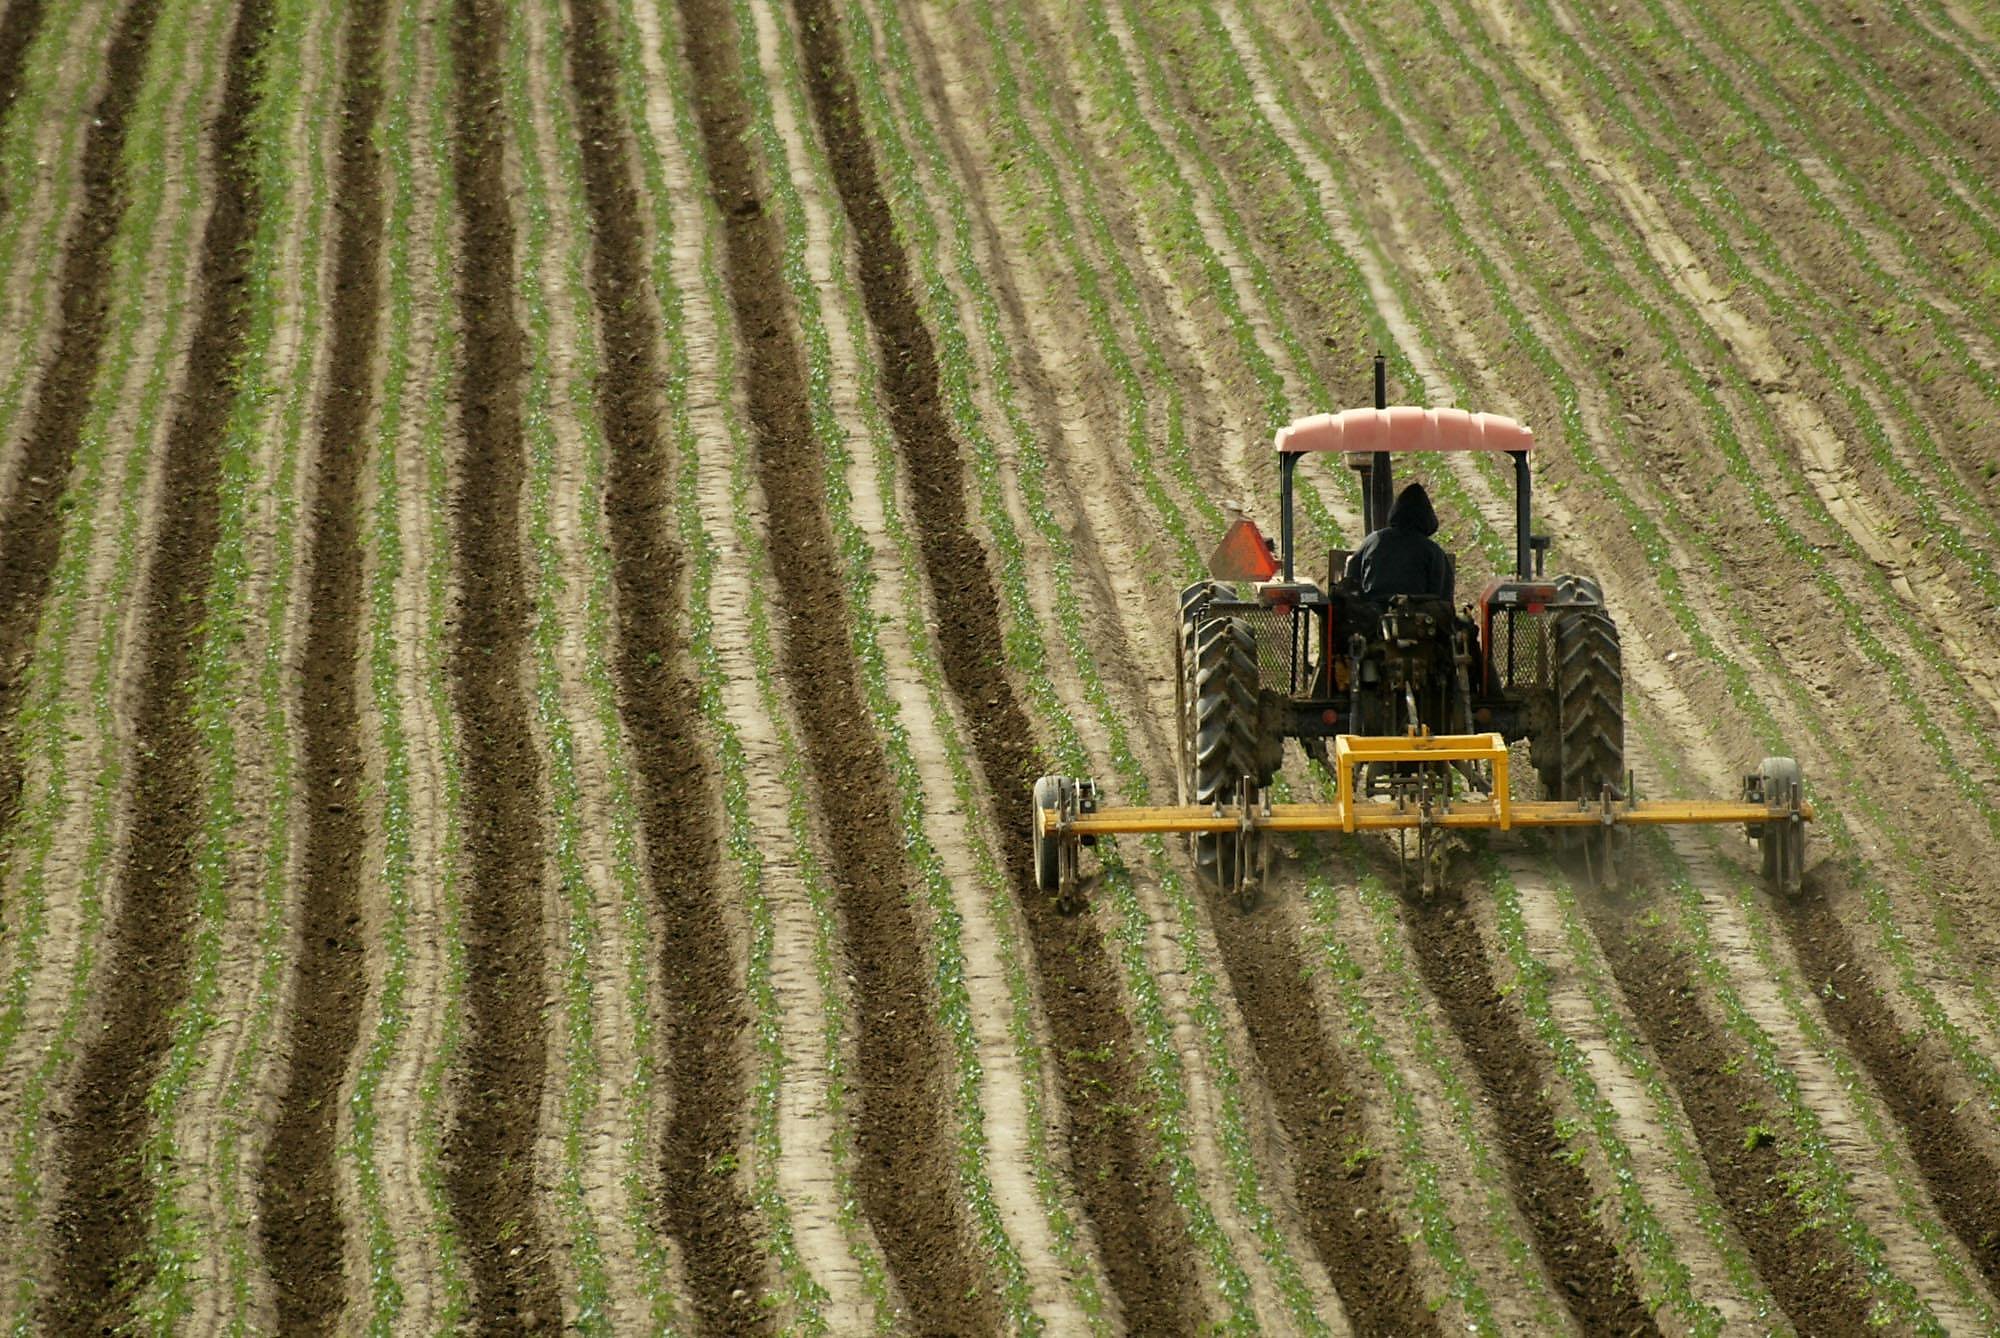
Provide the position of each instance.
(1401, 558)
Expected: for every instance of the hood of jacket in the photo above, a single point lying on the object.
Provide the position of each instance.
(1412, 511)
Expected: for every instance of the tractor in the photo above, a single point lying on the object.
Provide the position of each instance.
(1412, 701)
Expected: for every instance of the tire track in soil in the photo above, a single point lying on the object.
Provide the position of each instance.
(101, 1217)
(489, 1149)
(31, 519)
(1810, 1273)
(1142, 1236)
(707, 1213)
(905, 1170)
(303, 1234)
(1553, 1193)
(1908, 1070)
(1349, 1214)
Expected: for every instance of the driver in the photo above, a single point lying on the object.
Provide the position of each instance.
(1401, 558)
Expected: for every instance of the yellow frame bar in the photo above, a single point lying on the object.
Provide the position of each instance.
(1383, 815)
(1351, 815)
(1354, 750)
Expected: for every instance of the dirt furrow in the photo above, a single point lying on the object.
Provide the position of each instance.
(707, 1214)
(1553, 1192)
(1955, 1157)
(101, 1217)
(31, 516)
(907, 1182)
(302, 1228)
(1344, 1199)
(490, 1147)
(1806, 1267)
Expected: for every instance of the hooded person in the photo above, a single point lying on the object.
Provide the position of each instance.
(1401, 558)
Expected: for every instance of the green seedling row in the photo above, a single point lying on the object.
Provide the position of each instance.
(954, 1001)
(1435, 1227)
(1668, 1117)
(298, 314)
(639, 949)
(1848, 75)
(177, 1237)
(436, 437)
(1667, 1277)
(541, 277)
(1726, 85)
(1794, 993)
(386, 564)
(44, 721)
(827, 966)
(1973, 80)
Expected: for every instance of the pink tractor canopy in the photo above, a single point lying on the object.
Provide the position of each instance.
(1404, 427)
(1367, 438)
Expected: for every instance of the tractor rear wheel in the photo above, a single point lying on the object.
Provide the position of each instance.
(1590, 708)
(1220, 722)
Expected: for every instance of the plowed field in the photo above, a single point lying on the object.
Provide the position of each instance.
(543, 546)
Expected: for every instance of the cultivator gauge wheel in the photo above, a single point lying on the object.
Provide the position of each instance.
(1781, 843)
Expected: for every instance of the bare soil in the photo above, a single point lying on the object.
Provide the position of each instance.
(490, 1147)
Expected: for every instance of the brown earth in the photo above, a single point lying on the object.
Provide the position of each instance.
(1910, 1071)
(489, 1149)
(100, 1220)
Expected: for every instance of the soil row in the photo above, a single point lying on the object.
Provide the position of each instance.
(101, 1215)
(489, 1148)
(905, 1172)
(303, 1234)
(706, 1212)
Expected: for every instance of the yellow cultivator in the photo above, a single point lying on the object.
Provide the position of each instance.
(1069, 814)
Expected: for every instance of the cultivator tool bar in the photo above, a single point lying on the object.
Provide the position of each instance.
(1068, 814)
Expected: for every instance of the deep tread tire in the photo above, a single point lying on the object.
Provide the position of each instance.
(1223, 725)
(1590, 707)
